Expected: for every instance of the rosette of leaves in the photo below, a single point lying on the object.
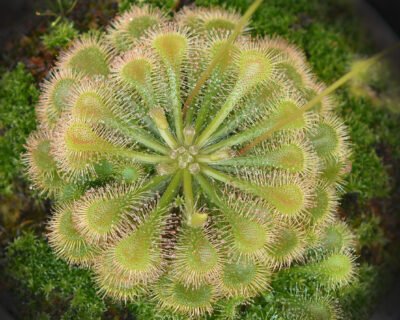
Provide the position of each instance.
(189, 164)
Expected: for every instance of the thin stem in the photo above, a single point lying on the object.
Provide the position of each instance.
(204, 158)
(188, 193)
(140, 136)
(159, 118)
(217, 174)
(146, 92)
(150, 125)
(168, 138)
(209, 190)
(233, 181)
(166, 198)
(153, 183)
(243, 136)
(217, 157)
(189, 133)
(227, 128)
(147, 140)
(203, 113)
(142, 157)
(171, 191)
(220, 54)
(176, 104)
(255, 161)
(218, 119)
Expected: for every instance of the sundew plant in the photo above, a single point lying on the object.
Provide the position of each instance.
(190, 164)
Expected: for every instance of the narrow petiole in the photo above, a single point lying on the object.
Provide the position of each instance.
(142, 157)
(140, 136)
(159, 118)
(188, 194)
(216, 157)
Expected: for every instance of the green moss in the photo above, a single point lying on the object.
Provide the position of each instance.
(166, 4)
(59, 35)
(18, 95)
(369, 231)
(49, 284)
(358, 300)
(369, 134)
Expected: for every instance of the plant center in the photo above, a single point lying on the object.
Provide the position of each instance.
(185, 157)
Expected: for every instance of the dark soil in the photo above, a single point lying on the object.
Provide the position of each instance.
(23, 22)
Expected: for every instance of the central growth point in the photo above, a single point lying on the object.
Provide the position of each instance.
(185, 157)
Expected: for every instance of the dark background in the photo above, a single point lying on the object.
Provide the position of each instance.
(11, 12)
(390, 11)
(18, 16)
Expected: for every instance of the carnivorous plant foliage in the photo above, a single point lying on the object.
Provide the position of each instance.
(185, 166)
